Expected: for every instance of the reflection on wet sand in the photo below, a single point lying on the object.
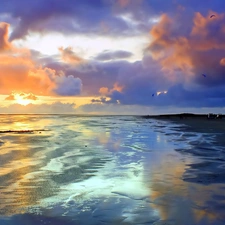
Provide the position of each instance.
(182, 202)
(18, 159)
(107, 170)
(20, 188)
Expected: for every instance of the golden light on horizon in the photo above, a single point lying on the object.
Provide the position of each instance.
(21, 98)
(161, 92)
(22, 101)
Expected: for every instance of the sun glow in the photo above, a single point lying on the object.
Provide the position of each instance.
(21, 98)
(22, 101)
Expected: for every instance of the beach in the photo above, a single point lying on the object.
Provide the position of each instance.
(68, 169)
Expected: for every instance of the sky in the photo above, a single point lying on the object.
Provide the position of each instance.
(112, 56)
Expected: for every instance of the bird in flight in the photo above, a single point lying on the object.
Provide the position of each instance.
(153, 95)
(212, 16)
(203, 75)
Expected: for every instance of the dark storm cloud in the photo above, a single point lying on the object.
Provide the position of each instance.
(139, 82)
(68, 85)
(96, 17)
(113, 55)
(63, 16)
(95, 75)
(87, 16)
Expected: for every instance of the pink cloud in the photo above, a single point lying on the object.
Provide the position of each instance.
(69, 56)
(222, 62)
(103, 90)
(198, 51)
(106, 91)
(4, 43)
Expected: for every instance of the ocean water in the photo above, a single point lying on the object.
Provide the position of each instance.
(97, 170)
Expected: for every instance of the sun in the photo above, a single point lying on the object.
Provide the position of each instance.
(22, 98)
(22, 101)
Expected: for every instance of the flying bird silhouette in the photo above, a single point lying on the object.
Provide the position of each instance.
(203, 75)
(212, 16)
(153, 95)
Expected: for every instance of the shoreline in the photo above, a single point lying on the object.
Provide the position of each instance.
(209, 116)
(200, 123)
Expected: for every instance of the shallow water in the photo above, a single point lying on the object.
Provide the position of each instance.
(66, 169)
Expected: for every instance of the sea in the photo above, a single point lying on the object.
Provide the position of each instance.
(99, 170)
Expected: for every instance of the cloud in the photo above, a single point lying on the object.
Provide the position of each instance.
(99, 17)
(101, 100)
(198, 52)
(10, 97)
(222, 62)
(56, 107)
(106, 91)
(174, 61)
(184, 43)
(21, 95)
(69, 56)
(114, 109)
(31, 96)
(83, 17)
(107, 55)
(173, 65)
(95, 75)
(103, 90)
(68, 86)
(4, 43)
(124, 3)
(185, 57)
(19, 72)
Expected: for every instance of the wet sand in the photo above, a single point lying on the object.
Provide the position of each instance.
(199, 124)
(200, 183)
(111, 170)
(208, 148)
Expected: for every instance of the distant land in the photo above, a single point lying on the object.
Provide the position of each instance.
(186, 116)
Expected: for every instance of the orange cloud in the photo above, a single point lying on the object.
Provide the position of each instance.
(69, 56)
(186, 52)
(31, 96)
(19, 73)
(4, 43)
(171, 51)
(21, 98)
(161, 34)
(123, 3)
(11, 97)
(222, 62)
(103, 90)
(116, 87)
(208, 33)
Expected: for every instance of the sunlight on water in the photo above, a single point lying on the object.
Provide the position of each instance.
(100, 170)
